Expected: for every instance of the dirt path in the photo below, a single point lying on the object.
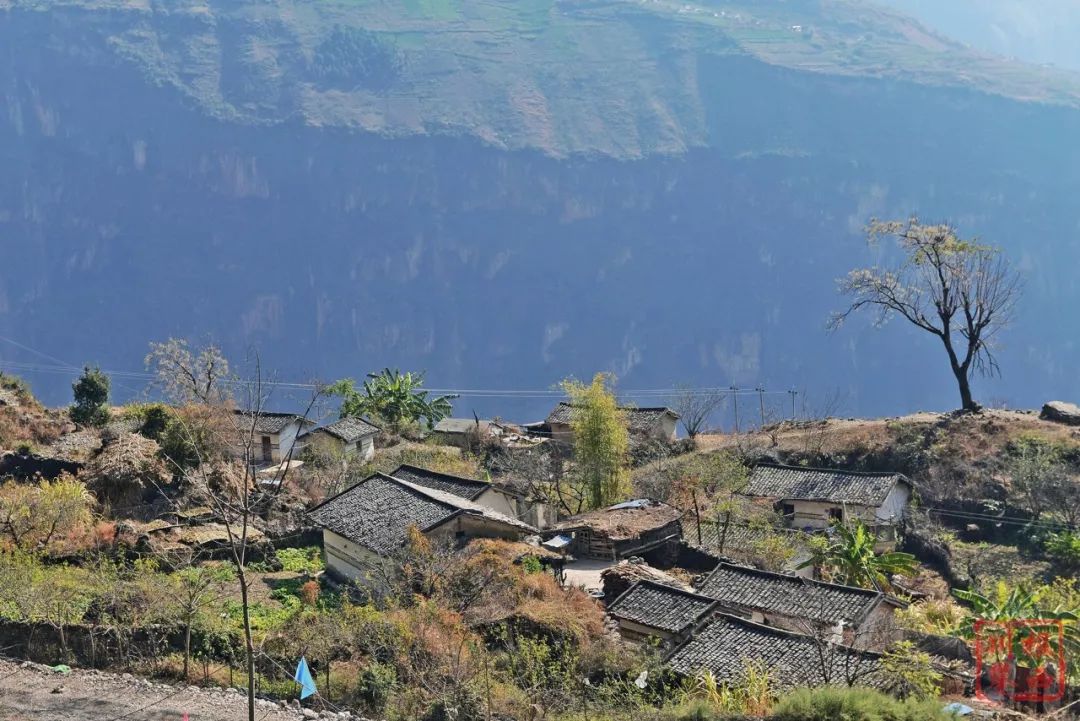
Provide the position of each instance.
(27, 693)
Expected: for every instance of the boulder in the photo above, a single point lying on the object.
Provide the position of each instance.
(1061, 412)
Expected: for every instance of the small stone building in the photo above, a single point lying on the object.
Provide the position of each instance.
(632, 528)
(654, 610)
(349, 437)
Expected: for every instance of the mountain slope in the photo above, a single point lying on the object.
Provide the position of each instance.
(618, 77)
(133, 208)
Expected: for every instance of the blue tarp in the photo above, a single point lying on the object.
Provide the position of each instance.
(303, 677)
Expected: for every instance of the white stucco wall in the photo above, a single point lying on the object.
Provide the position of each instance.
(347, 559)
(895, 505)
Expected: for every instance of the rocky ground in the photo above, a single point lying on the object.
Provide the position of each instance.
(31, 691)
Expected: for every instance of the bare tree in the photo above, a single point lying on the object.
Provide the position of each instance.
(695, 407)
(230, 487)
(189, 376)
(958, 290)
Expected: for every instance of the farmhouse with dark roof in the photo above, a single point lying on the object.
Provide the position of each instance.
(347, 437)
(370, 522)
(273, 436)
(727, 644)
(501, 497)
(842, 614)
(651, 609)
(813, 498)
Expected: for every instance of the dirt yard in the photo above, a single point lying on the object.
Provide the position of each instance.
(31, 691)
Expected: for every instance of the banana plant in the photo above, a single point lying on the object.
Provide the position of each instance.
(849, 558)
(393, 397)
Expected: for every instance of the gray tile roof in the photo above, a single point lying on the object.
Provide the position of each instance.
(377, 512)
(815, 484)
(349, 429)
(639, 419)
(742, 587)
(727, 644)
(469, 488)
(266, 422)
(745, 537)
(662, 607)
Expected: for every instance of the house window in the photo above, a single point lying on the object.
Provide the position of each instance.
(836, 514)
(267, 454)
(788, 509)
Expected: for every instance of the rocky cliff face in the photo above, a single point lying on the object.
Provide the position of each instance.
(129, 212)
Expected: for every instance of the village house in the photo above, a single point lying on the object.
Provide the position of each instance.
(499, 497)
(461, 432)
(725, 645)
(853, 616)
(349, 437)
(654, 610)
(813, 498)
(644, 423)
(273, 436)
(366, 525)
(633, 528)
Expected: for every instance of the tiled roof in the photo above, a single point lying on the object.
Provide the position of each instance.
(377, 512)
(623, 521)
(815, 484)
(662, 607)
(349, 429)
(464, 487)
(727, 644)
(639, 419)
(742, 587)
(266, 422)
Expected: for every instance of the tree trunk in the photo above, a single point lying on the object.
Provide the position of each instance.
(967, 403)
(249, 646)
(187, 650)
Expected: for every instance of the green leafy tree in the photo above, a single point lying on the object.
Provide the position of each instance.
(196, 590)
(91, 407)
(960, 291)
(849, 558)
(33, 516)
(601, 440)
(393, 397)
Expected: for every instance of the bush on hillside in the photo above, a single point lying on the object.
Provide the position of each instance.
(853, 704)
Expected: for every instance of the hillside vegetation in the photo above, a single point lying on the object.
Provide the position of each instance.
(616, 77)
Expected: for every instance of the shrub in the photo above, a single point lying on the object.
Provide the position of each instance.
(300, 560)
(1064, 549)
(853, 704)
(375, 684)
(91, 393)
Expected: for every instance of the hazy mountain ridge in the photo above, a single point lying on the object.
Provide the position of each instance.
(617, 77)
(134, 215)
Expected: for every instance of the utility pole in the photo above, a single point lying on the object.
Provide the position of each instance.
(761, 403)
(793, 393)
(735, 395)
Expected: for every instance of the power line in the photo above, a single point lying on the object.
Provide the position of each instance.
(536, 393)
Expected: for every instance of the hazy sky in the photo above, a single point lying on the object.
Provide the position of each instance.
(1038, 31)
